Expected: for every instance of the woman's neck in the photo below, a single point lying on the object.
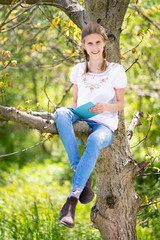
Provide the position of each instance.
(95, 66)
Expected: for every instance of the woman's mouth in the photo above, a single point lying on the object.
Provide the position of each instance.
(95, 52)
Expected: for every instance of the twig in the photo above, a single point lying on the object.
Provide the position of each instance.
(15, 6)
(53, 105)
(134, 47)
(16, 25)
(5, 65)
(145, 169)
(49, 101)
(147, 174)
(64, 95)
(146, 134)
(28, 8)
(50, 20)
(143, 15)
(136, 60)
(147, 205)
(23, 150)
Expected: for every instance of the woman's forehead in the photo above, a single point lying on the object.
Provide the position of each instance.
(93, 37)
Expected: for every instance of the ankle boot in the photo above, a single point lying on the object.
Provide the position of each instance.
(87, 194)
(68, 211)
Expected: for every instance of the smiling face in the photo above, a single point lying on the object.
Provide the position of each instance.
(94, 45)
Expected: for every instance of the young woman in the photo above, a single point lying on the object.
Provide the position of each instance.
(102, 83)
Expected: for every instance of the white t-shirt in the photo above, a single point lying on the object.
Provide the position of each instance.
(99, 87)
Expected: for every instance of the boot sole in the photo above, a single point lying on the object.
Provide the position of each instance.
(66, 224)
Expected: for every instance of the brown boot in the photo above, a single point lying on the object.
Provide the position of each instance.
(68, 211)
(87, 194)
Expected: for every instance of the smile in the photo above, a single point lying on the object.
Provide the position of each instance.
(95, 52)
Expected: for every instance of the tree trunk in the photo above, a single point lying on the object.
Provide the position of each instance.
(114, 213)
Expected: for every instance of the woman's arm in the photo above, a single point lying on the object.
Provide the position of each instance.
(75, 97)
(117, 106)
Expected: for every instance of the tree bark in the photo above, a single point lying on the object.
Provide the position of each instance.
(114, 213)
(117, 204)
(43, 122)
(72, 8)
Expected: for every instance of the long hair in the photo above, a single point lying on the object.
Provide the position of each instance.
(87, 30)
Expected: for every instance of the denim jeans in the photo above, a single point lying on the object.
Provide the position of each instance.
(100, 137)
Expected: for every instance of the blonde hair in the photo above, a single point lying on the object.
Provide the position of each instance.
(88, 29)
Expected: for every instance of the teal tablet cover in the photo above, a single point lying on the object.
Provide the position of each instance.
(83, 111)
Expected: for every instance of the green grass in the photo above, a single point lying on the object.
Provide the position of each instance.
(31, 198)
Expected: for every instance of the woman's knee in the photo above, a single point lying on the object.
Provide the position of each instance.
(99, 141)
(61, 113)
(93, 141)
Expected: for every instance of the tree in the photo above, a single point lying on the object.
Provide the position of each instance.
(114, 213)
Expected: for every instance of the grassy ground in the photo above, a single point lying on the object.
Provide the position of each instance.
(31, 198)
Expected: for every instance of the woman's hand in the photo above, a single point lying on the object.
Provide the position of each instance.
(98, 108)
(117, 106)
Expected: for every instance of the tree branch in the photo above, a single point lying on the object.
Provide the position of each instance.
(36, 120)
(147, 174)
(6, 17)
(5, 66)
(21, 13)
(132, 48)
(146, 134)
(72, 8)
(20, 23)
(147, 205)
(49, 100)
(144, 16)
(23, 150)
(65, 93)
(140, 90)
(135, 122)
(135, 61)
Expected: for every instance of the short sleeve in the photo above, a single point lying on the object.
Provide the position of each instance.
(74, 74)
(119, 77)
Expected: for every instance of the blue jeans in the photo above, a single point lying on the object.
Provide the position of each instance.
(100, 137)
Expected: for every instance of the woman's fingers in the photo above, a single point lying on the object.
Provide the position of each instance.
(98, 108)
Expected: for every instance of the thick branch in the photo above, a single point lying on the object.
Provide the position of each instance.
(135, 122)
(36, 122)
(71, 7)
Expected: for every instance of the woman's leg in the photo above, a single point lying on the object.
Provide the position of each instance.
(101, 137)
(63, 120)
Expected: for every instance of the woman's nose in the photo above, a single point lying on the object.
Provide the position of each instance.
(94, 47)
